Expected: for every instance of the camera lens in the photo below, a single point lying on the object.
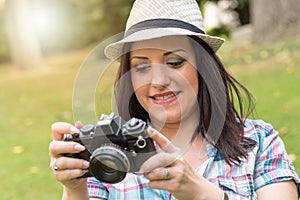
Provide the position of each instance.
(109, 164)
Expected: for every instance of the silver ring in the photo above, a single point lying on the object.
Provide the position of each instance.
(167, 173)
(54, 165)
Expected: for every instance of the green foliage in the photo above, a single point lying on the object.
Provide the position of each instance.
(221, 31)
(242, 9)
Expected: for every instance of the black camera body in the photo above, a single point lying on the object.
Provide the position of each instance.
(113, 147)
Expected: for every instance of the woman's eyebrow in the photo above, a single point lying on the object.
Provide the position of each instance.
(173, 51)
(165, 54)
(138, 57)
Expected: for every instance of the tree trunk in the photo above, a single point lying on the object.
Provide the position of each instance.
(24, 48)
(274, 19)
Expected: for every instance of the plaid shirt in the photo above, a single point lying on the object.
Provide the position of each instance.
(266, 163)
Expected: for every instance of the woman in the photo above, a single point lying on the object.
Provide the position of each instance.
(170, 76)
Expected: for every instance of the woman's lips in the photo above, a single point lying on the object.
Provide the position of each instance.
(164, 98)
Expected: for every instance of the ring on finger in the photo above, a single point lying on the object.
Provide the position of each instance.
(167, 171)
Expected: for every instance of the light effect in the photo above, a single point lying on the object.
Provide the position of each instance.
(45, 21)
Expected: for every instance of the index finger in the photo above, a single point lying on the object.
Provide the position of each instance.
(163, 142)
(59, 129)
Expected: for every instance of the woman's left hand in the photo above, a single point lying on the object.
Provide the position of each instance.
(167, 170)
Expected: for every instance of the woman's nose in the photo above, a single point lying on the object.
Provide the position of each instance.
(160, 76)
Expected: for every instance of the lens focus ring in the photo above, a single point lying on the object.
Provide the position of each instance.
(109, 163)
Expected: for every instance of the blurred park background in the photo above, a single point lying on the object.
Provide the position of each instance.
(44, 42)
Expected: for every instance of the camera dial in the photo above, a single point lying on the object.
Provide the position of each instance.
(87, 129)
(134, 124)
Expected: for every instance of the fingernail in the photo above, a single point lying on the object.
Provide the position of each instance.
(74, 129)
(78, 124)
(86, 164)
(150, 131)
(79, 147)
(140, 172)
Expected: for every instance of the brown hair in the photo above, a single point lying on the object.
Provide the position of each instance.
(231, 143)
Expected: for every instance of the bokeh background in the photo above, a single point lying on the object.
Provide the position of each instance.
(44, 42)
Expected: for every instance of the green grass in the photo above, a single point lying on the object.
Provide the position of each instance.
(30, 103)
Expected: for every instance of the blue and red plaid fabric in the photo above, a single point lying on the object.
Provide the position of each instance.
(266, 163)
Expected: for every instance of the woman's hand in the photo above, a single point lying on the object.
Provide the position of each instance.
(66, 169)
(167, 170)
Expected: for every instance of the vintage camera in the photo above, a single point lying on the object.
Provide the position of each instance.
(113, 147)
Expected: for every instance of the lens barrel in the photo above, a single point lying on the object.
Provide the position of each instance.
(109, 164)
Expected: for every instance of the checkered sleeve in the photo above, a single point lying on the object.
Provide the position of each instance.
(272, 163)
(97, 189)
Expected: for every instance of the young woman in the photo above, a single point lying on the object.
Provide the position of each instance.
(170, 76)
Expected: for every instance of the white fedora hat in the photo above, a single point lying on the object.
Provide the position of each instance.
(151, 19)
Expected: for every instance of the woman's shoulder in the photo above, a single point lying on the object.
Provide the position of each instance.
(259, 130)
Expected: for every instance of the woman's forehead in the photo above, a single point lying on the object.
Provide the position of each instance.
(164, 43)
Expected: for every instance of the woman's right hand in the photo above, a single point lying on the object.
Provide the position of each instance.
(65, 169)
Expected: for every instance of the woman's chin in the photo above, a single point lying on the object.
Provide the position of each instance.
(166, 117)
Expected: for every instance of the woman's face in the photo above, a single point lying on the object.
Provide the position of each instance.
(165, 78)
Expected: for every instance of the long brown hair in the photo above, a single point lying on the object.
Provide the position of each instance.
(231, 142)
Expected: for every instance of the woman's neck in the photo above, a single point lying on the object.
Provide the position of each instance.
(179, 133)
(192, 149)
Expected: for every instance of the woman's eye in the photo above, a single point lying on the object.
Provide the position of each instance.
(175, 62)
(142, 67)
